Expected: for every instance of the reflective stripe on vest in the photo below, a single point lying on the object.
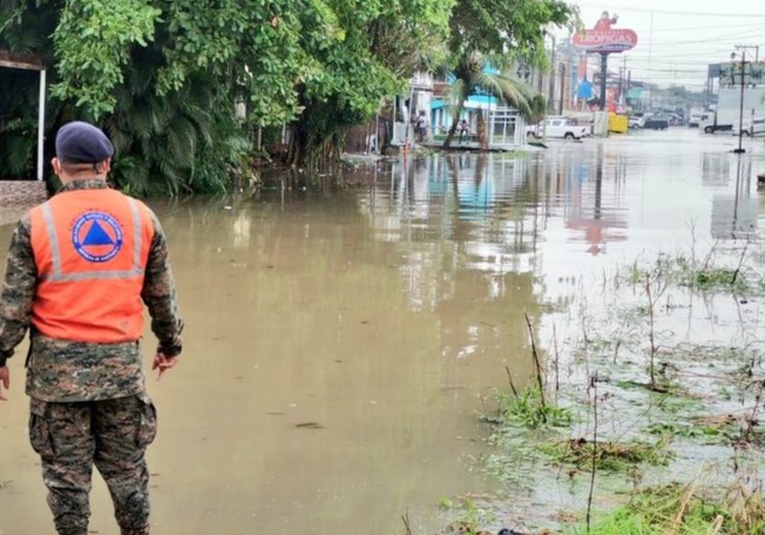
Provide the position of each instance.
(58, 276)
(91, 248)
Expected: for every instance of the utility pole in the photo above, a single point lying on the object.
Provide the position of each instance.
(603, 79)
(622, 74)
(650, 70)
(551, 85)
(743, 49)
(741, 104)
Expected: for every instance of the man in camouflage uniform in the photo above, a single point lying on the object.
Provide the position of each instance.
(88, 400)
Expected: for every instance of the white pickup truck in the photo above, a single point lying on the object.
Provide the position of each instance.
(558, 127)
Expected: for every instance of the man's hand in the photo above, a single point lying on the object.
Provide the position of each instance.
(5, 382)
(162, 364)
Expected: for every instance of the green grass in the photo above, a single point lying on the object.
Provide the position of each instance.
(681, 510)
(527, 410)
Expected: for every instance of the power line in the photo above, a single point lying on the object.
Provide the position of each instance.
(699, 63)
(713, 39)
(683, 13)
(687, 71)
(715, 27)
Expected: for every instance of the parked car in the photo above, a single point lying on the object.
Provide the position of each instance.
(656, 122)
(675, 119)
(636, 122)
(558, 127)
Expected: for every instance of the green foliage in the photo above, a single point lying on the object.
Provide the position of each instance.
(719, 278)
(472, 78)
(681, 510)
(18, 129)
(165, 76)
(499, 33)
(528, 410)
(181, 142)
(377, 46)
(502, 28)
(93, 41)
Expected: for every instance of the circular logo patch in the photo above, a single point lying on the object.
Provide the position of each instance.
(97, 237)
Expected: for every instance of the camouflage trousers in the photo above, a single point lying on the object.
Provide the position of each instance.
(113, 434)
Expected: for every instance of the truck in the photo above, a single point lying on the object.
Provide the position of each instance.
(558, 126)
(697, 116)
(725, 118)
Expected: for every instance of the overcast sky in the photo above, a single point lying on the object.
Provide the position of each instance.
(677, 39)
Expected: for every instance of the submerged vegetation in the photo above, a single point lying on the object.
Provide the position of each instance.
(528, 409)
(606, 455)
(702, 275)
(651, 429)
(686, 510)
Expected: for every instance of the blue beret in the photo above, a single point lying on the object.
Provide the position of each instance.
(79, 142)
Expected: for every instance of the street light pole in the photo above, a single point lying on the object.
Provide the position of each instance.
(743, 49)
(740, 150)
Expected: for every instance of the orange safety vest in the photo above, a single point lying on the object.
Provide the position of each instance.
(91, 248)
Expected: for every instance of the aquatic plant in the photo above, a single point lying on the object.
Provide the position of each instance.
(676, 509)
(526, 409)
(468, 517)
(650, 387)
(607, 455)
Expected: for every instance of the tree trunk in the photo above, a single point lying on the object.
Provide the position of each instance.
(483, 139)
(297, 142)
(453, 129)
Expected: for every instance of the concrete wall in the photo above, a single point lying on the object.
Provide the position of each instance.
(24, 192)
(18, 196)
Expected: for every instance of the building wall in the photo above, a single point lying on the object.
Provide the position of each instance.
(15, 193)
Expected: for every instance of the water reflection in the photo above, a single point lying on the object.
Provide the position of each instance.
(734, 215)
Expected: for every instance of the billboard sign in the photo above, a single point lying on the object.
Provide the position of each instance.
(730, 73)
(604, 38)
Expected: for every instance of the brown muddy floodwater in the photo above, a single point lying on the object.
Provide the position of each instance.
(340, 346)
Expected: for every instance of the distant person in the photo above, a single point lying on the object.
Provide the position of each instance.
(464, 129)
(80, 268)
(421, 126)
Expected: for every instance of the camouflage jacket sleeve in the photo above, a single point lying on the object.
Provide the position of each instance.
(18, 290)
(160, 296)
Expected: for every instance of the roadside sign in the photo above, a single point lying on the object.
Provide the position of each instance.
(730, 73)
(604, 38)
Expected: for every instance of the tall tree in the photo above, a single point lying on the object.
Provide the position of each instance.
(165, 76)
(472, 77)
(498, 33)
(379, 46)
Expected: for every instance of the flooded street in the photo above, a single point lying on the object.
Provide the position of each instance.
(340, 346)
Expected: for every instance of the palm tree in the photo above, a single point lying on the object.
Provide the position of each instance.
(180, 143)
(471, 78)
